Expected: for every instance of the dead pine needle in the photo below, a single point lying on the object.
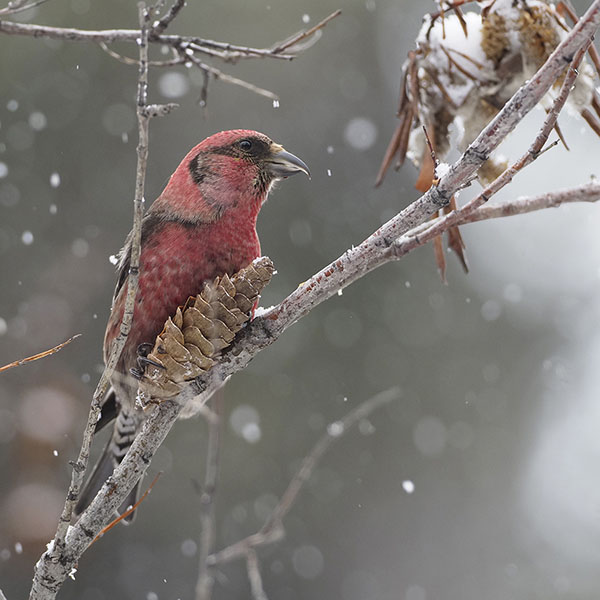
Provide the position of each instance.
(129, 510)
(18, 363)
(434, 159)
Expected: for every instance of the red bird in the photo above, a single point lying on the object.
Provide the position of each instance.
(201, 226)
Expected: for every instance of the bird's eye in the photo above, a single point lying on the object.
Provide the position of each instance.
(245, 145)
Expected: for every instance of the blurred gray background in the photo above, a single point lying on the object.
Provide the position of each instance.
(481, 481)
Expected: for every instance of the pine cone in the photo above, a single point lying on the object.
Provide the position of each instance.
(193, 339)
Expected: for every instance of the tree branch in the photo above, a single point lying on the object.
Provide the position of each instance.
(54, 350)
(521, 206)
(227, 51)
(256, 586)
(376, 250)
(273, 529)
(159, 27)
(208, 525)
(17, 6)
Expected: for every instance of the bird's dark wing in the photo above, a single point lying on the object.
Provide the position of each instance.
(109, 411)
(150, 223)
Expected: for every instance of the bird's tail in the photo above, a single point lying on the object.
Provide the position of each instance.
(124, 432)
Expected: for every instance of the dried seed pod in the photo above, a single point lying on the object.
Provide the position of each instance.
(193, 338)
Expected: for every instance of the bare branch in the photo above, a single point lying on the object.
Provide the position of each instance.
(178, 60)
(205, 581)
(55, 564)
(294, 41)
(520, 206)
(253, 568)
(185, 47)
(18, 363)
(227, 51)
(218, 74)
(17, 6)
(161, 25)
(273, 530)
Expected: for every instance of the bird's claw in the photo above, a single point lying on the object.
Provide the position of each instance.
(144, 349)
(136, 373)
(143, 361)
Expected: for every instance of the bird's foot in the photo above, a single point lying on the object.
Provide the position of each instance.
(143, 361)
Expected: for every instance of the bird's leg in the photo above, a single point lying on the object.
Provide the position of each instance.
(142, 360)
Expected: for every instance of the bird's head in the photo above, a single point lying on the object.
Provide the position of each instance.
(230, 169)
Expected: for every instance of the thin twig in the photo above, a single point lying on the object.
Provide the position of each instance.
(419, 237)
(302, 35)
(185, 46)
(253, 568)
(161, 25)
(18, 363)
(591, 120)
(594, 56)
(208, 524)
(127, 60)
(521, 206)
(19, 6)
(457, 65)
(273, 528)
(218, 74)
(466, 57)
(80, 466)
